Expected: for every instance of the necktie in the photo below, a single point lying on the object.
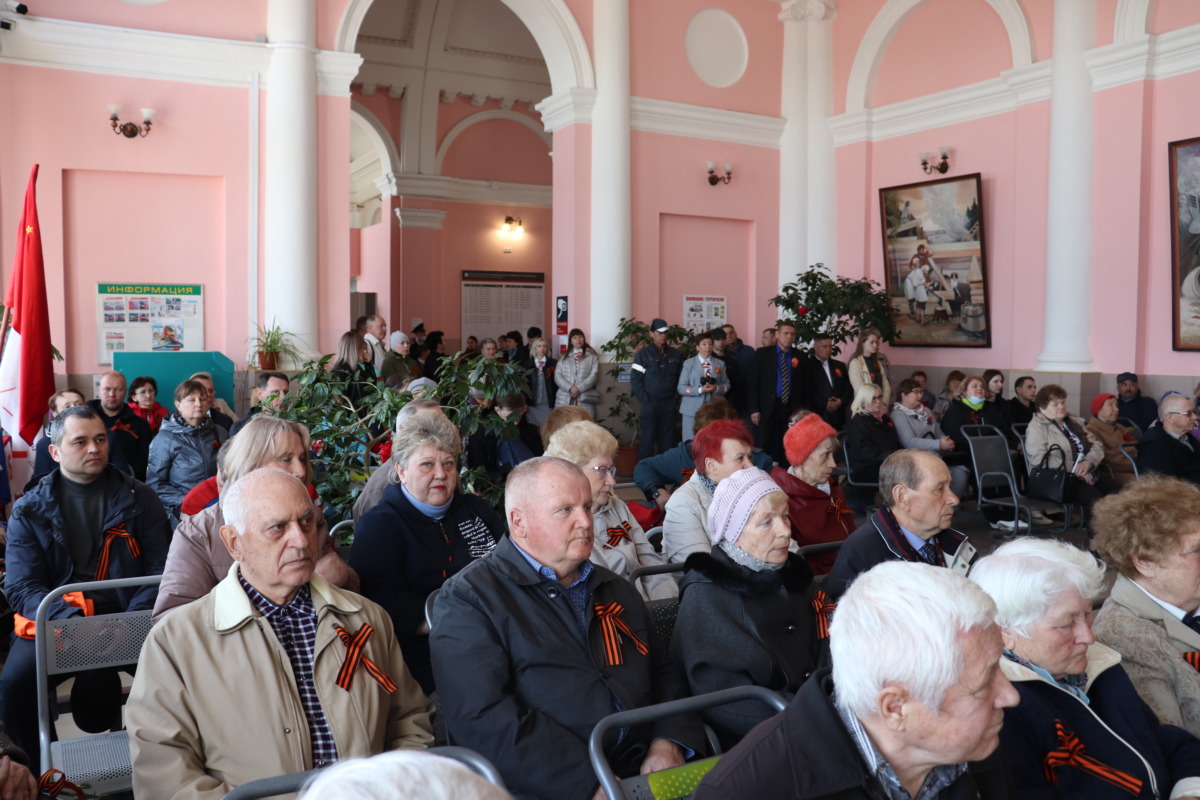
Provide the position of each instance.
(541, 362)
(707, 370)
(929, 553)
(785, 378)
(1191, 622)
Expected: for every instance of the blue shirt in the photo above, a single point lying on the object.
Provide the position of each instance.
(577, 592)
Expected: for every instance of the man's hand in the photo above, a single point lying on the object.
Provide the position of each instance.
(16, 781)
(664, 754)
(661, 496)
(756, 417)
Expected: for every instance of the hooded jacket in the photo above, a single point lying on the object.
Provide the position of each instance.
(182, 456)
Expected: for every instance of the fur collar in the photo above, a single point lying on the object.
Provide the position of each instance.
(719, 569)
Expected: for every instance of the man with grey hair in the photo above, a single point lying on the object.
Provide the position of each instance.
(533, 645)
(374, 336)
(913, 524)
(275, 670)
(1169, 448)
(912, 707)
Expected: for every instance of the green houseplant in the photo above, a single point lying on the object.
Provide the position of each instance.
(271, 345)
(840, 308)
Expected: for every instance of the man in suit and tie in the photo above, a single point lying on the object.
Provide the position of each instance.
(779, 389)
(1169, 448)
(829, 390)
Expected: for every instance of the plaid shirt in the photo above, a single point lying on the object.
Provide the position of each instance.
(295, 625)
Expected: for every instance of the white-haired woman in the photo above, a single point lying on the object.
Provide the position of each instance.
(620, 544)
(400, 775)
(870, 434)
(1081, 730)
(745, 609)
(398, 360)
(422, 531)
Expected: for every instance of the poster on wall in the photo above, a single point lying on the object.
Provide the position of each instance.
(1185, 242)
(561, 314)
(933, 247)
(703, 312)
(148, 317)
(494, 303)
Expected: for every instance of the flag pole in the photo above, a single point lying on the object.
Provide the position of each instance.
(4, 327)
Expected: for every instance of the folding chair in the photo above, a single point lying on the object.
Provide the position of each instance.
(654, 536)
(1132, 460)
(100, 761)
(1133, 427)
(295, 781)
(429, 608)
(669, 784)
(655, 569)
(993, 468)
(850, 472)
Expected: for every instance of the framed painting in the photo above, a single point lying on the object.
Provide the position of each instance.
(933, 249)
(1185, 242)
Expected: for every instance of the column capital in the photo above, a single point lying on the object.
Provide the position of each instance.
(807, 10)
(387, 184)
(428, 218)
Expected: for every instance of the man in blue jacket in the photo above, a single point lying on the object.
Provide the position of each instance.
(655, 381)
(84, 521)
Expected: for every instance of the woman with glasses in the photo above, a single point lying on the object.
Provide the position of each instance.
(918, 430)
(620, 544)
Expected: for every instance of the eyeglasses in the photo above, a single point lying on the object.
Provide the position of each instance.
(604, 471)
(1191, 413)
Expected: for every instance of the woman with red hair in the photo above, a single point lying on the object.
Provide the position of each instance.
(720, 449)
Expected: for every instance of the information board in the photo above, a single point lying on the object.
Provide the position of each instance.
(494, 303)
(704, 312)
(148, 317)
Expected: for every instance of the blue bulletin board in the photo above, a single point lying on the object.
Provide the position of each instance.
(171, 369)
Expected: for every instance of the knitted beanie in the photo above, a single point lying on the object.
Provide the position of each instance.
(733, 502)
(803, 437)
(1098, 401)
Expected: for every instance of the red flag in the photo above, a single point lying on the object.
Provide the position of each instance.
(26, 370)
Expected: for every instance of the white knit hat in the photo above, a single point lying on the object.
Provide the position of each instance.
(734, 500)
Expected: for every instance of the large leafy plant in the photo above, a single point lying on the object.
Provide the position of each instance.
(837, 307)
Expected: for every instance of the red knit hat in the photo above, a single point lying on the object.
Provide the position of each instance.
(803, 437)
(1098, 401)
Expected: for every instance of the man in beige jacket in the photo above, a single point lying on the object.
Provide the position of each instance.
(275, 670)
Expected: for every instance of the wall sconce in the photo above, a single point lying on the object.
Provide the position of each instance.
(130, 130)
(714, 178)
(514, 226)
(941, 166)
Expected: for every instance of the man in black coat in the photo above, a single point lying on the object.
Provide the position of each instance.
(533, 645)
(1169, 448)
(883, 736)
(779, 389)
(129, 434)
(828, 384)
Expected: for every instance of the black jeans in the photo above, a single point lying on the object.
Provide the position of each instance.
(658, 427)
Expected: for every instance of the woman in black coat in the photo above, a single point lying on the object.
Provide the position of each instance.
(745, 609)
(870, 435)
(539, 372)
(973, 409)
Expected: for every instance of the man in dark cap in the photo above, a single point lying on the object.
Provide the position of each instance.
(655, 379)
(1132, 405)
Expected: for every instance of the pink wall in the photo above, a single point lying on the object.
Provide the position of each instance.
(660, 68)
(450, 114)
(921, 61)
(389, 111)
(333, 218)
(220, 19)
(376, 254)
(709, 256)
(849, 27)
(499, 150)
(1171, 15)
(102, 202)
(1040, 16)
(572, 228)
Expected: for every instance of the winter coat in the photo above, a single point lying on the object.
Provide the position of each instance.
(621, 546)
(738, 627)
(868, 442)
(690, 381)
(182, 456)
(655, 376)
(1111, 436)
(816, 517)
(214, 703)
(860, 375)
(401, 556)
(1043, 433)
(1159, 451)
(673, 467)
(520, 684)
(129, 439)
(584, 375)
(685, 527)
(154, 415)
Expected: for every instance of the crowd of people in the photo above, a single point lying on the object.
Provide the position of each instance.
(913, 666)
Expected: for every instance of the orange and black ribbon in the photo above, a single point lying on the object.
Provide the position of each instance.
(125, 426)
(615, 535)
(110, 536)
(1070, 754)
(612, 626)
(54, 782)
(837, 505)
(823, 612)
(686, 472)
(1193, 659)
(355, 642)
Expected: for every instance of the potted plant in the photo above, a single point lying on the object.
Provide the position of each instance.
(840, 308)
(271, 344)
(624, 416)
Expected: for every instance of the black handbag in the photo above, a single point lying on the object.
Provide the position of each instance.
(1047, 482)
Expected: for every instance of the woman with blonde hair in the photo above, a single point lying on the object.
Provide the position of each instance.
(868, 364)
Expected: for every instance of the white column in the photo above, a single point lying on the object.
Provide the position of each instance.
(822, 181)
(290, 173)
(1066, 343)
(612, 224)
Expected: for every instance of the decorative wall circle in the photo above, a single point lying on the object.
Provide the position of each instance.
(717, 49)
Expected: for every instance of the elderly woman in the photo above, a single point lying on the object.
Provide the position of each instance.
(620, 543)
(539, 373)
(869, 366)
(560, 416)
(1080, 730)
(702, 378)
(1150, 534)
(420, 533)
(577, 373)
(745, 609)
(720, 449)
(143, 400)
(917, 429)
(816, 505)
(950, 393)
(185, 451)
(1103, 425)
(1060, 440)
(870, 434)
(198, 560)
(398, 360)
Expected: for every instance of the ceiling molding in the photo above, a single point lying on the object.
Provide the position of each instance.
(460, 190)
(485, 116)
(428, 218)
(564, 109)
(702, 122)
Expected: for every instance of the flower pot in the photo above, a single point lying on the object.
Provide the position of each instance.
(267, 361)
(626, 460)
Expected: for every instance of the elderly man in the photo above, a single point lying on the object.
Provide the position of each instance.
(828, 384)
(84, 521)
(534, 644)
(913, 524)
(272, 388)
(1131, 404)
(275, 670)
(1169, 448)
(915, 700)
(129, 434)
(375, 333)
